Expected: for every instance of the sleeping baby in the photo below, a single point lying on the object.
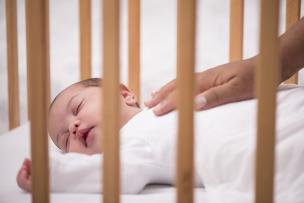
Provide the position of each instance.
(224, 142)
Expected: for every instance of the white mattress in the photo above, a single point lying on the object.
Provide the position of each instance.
(14, 147)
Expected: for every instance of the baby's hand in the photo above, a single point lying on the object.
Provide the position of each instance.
(24, 178)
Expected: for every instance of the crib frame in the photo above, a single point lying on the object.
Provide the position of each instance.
(37, 31)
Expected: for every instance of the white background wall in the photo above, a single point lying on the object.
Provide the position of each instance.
(158, 29)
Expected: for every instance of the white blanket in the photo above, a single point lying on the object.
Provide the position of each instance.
(228, 166)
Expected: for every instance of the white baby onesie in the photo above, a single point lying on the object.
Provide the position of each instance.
(224, 151)
(147, 149)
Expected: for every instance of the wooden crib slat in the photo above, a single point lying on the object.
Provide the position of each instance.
(266, 86)
(134, 46)
(292, 15)
(12, 64)
(236, 30)
(85, 38)
(185, 77)
(38, 69)
(110, 91)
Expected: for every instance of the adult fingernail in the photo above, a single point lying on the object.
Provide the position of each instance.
(153, 93)
(200, 102)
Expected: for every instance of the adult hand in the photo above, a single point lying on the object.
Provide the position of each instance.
(222, 84)
(24, 177)
(234, 81)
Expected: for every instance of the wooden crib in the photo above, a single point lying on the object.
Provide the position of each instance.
(37, 30)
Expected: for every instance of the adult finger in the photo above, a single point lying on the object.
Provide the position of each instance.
(160, 95)
(216, 96)
(166, 105)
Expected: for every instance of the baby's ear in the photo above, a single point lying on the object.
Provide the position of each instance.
(129, 98)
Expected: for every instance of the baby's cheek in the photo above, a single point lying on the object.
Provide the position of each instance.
(96, 147)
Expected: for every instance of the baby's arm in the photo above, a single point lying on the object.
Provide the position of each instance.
(75, 172)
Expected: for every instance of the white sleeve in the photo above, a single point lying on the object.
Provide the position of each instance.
(75, 172)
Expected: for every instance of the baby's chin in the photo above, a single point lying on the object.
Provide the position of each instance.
(94, 148)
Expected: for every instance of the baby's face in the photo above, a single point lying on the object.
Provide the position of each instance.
(75, 120)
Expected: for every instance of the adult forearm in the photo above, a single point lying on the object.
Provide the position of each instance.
(292, 50)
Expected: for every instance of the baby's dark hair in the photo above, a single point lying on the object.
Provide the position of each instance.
(91, 82)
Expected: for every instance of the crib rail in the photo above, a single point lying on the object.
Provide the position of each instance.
(12, 64)
(236, 30)
(85, 38)
(266, 85)
(186, 14)
(134, 47)
(38, 69)
(110, 141)
(37, 27)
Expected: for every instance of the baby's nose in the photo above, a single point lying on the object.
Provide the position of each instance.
(74, 128)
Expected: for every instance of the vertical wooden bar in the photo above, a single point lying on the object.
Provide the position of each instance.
(12, 64)
(134, 46)
(47, 72)
(85, 38)
(38, 66)
(266, 86)
(186, 14)
(110, 91)
(236, 30)
(292, 15)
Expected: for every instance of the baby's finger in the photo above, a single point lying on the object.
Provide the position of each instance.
(27, 162)
(21, 178)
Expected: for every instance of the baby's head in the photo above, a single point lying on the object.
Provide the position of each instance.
(75, 121)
